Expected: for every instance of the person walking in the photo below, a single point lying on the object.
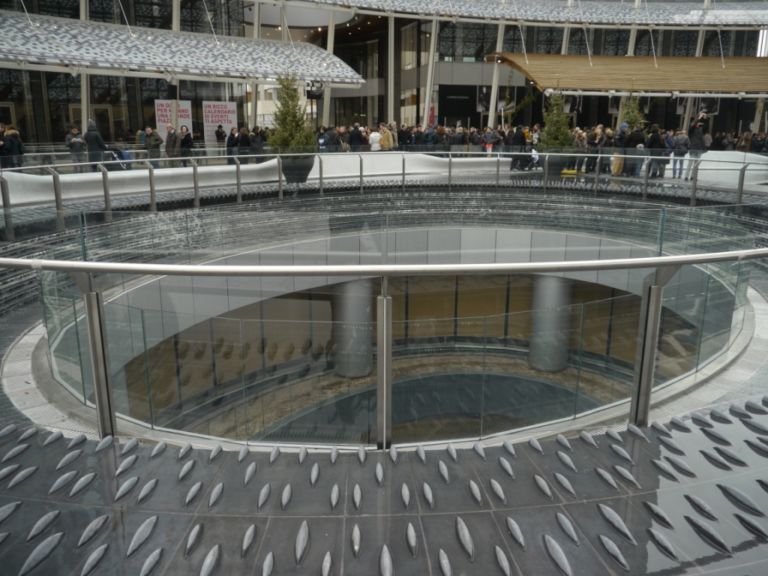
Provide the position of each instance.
(152, 143)
(172, 144)
(76, 144)
(95, 145)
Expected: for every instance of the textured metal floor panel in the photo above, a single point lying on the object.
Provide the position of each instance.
(687, 497)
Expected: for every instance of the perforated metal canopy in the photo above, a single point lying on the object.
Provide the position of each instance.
(61, 44)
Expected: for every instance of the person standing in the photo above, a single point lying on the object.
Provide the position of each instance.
(680, 145)
(185, 144)
(232, 145)
(172, 143)
(95, 145)
(12, 148)
(76, 144)
(696, 146)
(152, 143)
(221, 136)
(244, 145)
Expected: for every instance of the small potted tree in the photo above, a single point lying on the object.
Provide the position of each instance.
(292, 132)
(556, 136)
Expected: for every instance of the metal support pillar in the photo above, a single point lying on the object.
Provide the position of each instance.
(85, 102)
(176, 15)
(152, 189)
(327, 90)
(430, 74)
(647, 342)
(107, 197)
(195, 184)
(495, 81)
(10, 235)
(391, 70)
(384, 368)
(740, 189)
(238, 182)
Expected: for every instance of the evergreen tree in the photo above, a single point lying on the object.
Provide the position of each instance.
(631, 114)
(556, 132)
(292, 130)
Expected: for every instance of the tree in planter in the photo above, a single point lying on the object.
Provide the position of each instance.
(556, 135)
(631, 114)
(292, 132)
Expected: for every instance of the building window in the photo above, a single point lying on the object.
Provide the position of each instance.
(466, 42)
(548, 40)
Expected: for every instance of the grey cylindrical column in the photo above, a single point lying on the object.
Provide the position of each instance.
(550, 324)
(353, 328)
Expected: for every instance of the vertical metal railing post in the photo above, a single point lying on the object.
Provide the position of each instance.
(695, 182)
(195, 184)
(740, 189)
(647, 343)
(403, 180)
(450, 171)
(152, 189)
(597, 172)
(10, 234)
(107, 197)
(545, 179)
(58, 197)
(280, 177)
(320, 172)
(384, 367)
(361, 172)
(646, 176)
(498, 169)
(238, 182)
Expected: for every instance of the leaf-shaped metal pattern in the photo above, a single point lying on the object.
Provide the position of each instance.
(756, 427)
(62, 481)
(700, 506)
(8, 470)
(701, 421)
(719, 416)
(536, 445)
(565, 483)
(660, 429)
(681, 466)
(393, 454)
(269, 564)
(665, 469)
(7, 430)
(614, 552)
(752, 526)
(445, 563)
(216, 493)
(105, 443)
(15, 451)
(405, 495)
(125, 465)
(754, 408)
(193, 491)
(334, 496)
(143, 532)
(615, 436)
(90, 530)
(739, 412)
(193, 539)
(186, 469)
(557, 555)
(676, 423)
(8, 509)
(474, 489)
(129, 446)
(741, 500)
(215, 451)
(41, 552)
(386, 567)
(303, 454)
(285, 498)
(662, 543)
(357, 496)
(498, 490)
(452, 452)
(249, 472)
(716, 460)
(428, 496)
(607, 478)
(81, 484)
(147, 489)
(379, 473)
(567, 526)
(68, 458)
(621, 453)
(587, 438)
(158, 449)
(93, 559)
(42, 523)
(514, 530)
(627, 476)
(361, 455)
(356, 540)
(302, 540)
(185, 450)
(708, 534)
(479, 450)
(670, 445)
(152, 560)
(730, 456)
(126, 487)
(421, 453)
(334, 455)
(615, 520)
(325, 568)
(502, 561)
(506, 466)
(211, 561)
(412, 540)
(76, 441)
(543, 485)
(443, 469)
(637, 433)
(465, 538)
(566, 460)
(242, 454)
(759, 449)
(563, 441)
(658, 514)
(314, 474)
(56, 436)
(23, 475)
(510, 448)
(715, 436)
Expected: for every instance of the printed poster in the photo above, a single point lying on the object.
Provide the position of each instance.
(215, 113)
(165, 114)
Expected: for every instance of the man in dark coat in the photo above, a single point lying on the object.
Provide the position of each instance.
(95, 145)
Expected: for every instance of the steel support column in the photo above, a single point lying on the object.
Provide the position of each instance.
(384, 368)
(495, 81)
(391, 71)
(327, 90)
(430, 73)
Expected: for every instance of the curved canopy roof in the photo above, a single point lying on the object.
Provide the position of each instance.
(705, 75)
(752, 14)
(41, 42)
